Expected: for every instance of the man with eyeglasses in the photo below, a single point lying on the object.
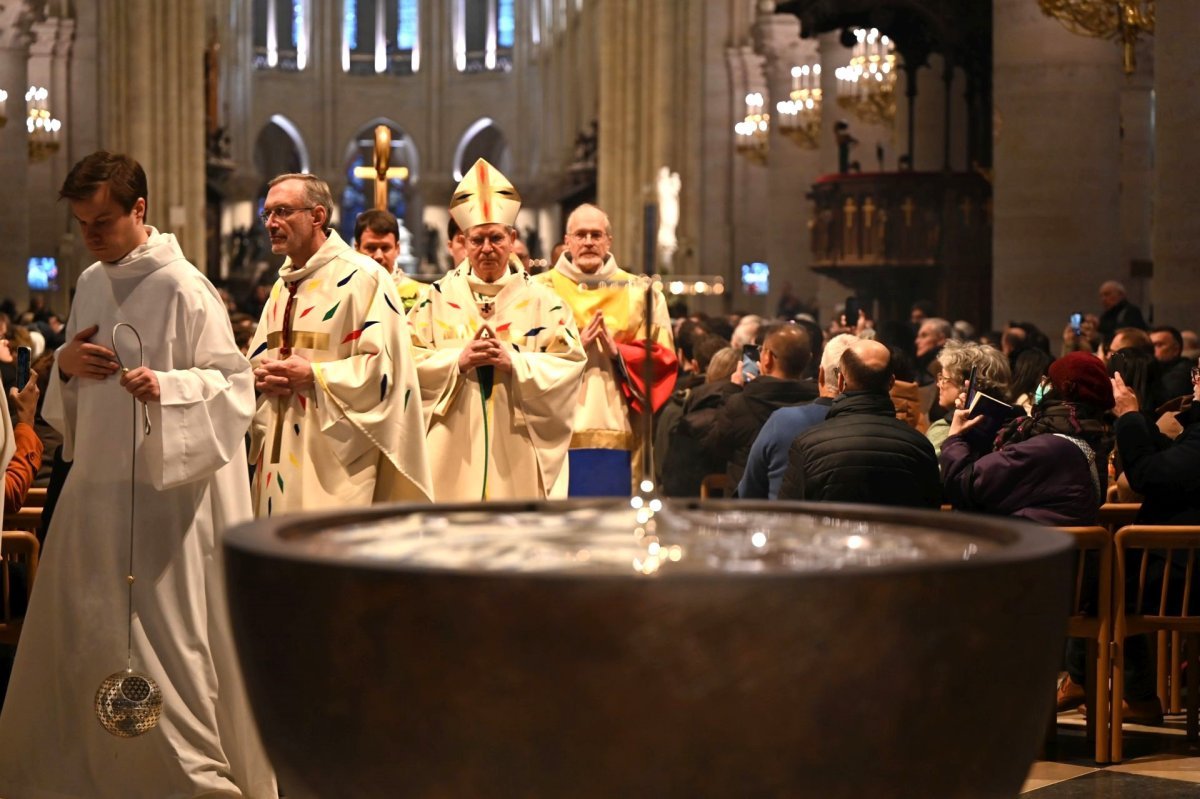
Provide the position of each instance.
(499, 359)
(605, 447)
(338, 422)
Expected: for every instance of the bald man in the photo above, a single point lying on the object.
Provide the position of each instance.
(862, 452)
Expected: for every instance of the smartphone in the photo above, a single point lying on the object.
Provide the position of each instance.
(23, 356)
(973, 378)
(1077, 323)
(852, 307)
(750, 355)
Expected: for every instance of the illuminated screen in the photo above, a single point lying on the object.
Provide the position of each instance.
(756, 278)
(42, 274)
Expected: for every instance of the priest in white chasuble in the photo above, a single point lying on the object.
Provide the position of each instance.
(339, 419)
(606, 443)
(499, 360)
(154, 424)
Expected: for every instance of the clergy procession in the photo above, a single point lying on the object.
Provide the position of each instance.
(357, 387)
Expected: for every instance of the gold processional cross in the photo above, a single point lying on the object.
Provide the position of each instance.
(381, 173)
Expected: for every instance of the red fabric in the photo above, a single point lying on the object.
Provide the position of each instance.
(22, 468)
(664, 366)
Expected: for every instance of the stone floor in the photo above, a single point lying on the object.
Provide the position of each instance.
(1159, 763)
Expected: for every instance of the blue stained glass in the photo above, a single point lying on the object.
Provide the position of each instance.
(297, 22)
(406, 28)
(505, 26)
(350, 23)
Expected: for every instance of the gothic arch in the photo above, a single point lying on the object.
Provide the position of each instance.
(482, 139)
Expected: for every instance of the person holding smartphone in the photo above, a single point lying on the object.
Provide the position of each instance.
(782, 360)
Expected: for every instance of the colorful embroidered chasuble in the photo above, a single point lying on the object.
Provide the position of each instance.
(509, 440)
(356, 436)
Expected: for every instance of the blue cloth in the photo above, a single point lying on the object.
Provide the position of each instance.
(768, 459)
(599, 473)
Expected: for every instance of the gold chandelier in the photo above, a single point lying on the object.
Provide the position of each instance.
(800, 114)
(1123, 20)
(42, 127)
(867, 85)
(753, 130)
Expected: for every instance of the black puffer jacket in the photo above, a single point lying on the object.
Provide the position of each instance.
(739, 422)
(863, 453)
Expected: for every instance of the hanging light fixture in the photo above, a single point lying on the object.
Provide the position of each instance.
(42, 127)
(753, 129)
(800, 114)
(1123, 20)
(867, 85)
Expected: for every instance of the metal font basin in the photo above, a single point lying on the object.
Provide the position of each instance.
(731, 650)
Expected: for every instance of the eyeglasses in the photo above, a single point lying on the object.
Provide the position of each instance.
(942, 380)
(478, 240)
(585, 235)
(282, 212)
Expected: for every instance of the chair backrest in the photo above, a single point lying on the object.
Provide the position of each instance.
(1155, 588)
(16, 546)
(1115, 515)
(715, 485)
(1091, 592)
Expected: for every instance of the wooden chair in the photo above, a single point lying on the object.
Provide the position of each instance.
(1115, 515)
(27, 519)
(15, 547)
(1092, 619)
(1155, 614)
(716, 486)
(36, 498)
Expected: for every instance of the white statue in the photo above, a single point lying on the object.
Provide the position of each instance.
(668, 214)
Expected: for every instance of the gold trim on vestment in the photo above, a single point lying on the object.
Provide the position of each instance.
(603, 439)
(301, 340)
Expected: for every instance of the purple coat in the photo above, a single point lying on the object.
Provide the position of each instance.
(1045, 479)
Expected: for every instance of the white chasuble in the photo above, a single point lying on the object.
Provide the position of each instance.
(356, 436)
(190, 484)
(510, 442)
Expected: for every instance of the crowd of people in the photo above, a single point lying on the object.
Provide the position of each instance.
(348, 383)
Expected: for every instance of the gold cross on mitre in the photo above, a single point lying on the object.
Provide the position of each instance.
(381, 172)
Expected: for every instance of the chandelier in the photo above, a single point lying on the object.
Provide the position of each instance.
(3, 108)
(1105, 19)
(43, 128)
(800, 114)
(867, 85)
(753, 129)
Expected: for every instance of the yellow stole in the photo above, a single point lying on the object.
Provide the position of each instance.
(617, 304)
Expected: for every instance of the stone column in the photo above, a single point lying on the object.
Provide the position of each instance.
(49, 56)
(1175, 289)
(15, 21)
(1057, 232)
(793, 167)
(151, 81)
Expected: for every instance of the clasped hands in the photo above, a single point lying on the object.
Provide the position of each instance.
(81, 358)
(284, 377)
(598, 331)
(484, 350)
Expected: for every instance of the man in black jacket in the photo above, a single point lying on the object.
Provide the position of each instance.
(862, 452)
(785, 354)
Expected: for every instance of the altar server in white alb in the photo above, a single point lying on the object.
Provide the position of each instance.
(499, 359)
(339, 419)
(190, 484)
